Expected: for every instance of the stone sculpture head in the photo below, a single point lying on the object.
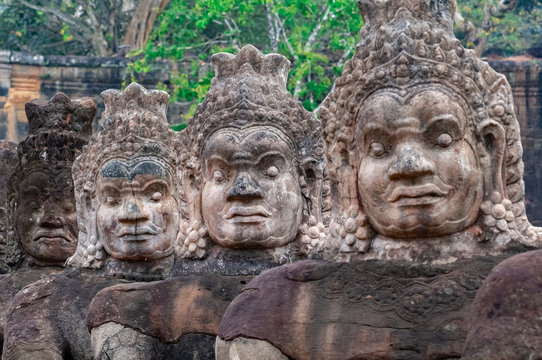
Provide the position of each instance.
(255, 174)
(8, 161)
(43, 225)
(126, 183)
(423, 131)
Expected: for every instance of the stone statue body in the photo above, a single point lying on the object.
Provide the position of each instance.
(424, 150)
(42, 225)
(253, 179)
(128, 212)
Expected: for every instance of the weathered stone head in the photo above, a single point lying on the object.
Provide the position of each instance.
(255, 174)
(43, 225)
(125, 182)
(422, 134)
(8, 161)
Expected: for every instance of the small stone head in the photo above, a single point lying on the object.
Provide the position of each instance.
(256, 162)
(426, 129)
(41, 198)
(126, 186)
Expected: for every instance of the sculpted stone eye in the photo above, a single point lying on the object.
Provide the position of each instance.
(272, 171)
(377, 149)
(218, 176)
(34, 205)
(110, 200)
(156, 196)
(444, 140)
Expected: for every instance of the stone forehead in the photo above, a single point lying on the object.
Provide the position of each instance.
(246, 136)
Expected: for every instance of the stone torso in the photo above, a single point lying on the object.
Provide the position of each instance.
(360, 310)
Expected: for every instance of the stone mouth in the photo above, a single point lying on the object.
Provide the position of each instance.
(52, 238)
(417, 194)
(247, 214)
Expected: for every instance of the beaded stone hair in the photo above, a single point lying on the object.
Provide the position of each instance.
(250, 89)
(405, 43)
(58, 130)
(134, 124)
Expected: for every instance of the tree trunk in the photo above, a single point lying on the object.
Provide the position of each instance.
(143, 19)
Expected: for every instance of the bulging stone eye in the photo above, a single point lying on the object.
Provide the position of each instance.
(156, 196)
(218, 176)
(377, 149)
(444, 140)
(110, 200)
(272, 171)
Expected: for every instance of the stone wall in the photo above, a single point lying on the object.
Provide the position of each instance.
(24, 77)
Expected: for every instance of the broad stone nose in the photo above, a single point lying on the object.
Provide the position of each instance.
(52, 216)
(244, 187)
(411, 162)
(131, 211)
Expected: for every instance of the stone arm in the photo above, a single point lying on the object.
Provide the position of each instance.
(246, 349)
(506, 321)
(29, 331)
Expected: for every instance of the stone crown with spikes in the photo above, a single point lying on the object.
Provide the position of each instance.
(250, 88)
(58, 129)
(134, 123)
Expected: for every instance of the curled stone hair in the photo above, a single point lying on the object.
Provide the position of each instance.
(249, 89)
(58, 130)
(134, 124)
(408, 43)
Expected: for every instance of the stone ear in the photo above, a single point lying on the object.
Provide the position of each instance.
(310, 180)
(493, 145)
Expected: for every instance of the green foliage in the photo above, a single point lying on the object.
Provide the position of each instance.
(24, 29)
(60, 27)
(511, 33)
(188, 32)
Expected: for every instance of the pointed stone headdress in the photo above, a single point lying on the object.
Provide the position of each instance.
(58, 130)
(134, 124)
(250, 89)
(407, 43)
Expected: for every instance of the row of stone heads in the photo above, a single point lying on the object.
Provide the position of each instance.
(395, 157)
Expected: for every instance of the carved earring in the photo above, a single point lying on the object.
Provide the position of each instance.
(195, 244)
(312, 235)
(355, 233)
(498, 219)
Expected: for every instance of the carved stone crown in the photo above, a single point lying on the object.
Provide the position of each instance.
(134, 123)
(411, 42)
(58, 129)
(250, 89)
